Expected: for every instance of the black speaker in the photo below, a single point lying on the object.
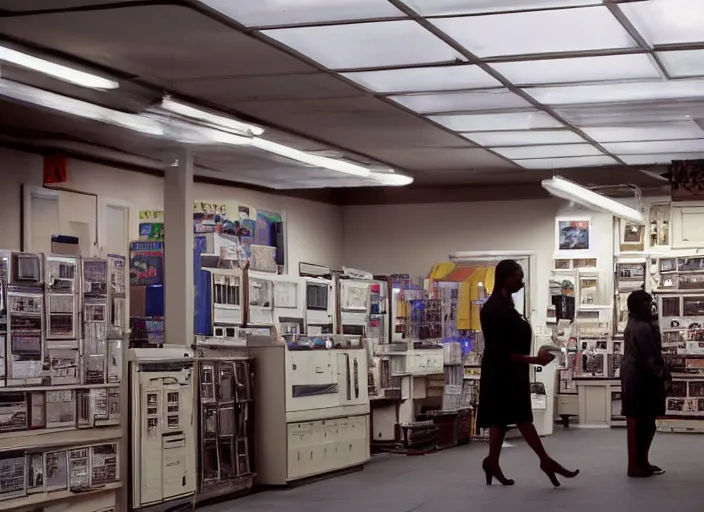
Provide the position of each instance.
(277, 235)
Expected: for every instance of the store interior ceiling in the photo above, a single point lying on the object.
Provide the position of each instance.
(457, 94)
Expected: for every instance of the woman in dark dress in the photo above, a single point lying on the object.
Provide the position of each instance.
(644, 381)
(504, 388)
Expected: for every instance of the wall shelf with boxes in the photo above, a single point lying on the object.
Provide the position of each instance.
(62, 322)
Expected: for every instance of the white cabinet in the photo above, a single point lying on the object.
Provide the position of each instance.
(687, 225)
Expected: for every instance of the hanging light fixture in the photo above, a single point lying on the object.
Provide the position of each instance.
(571, 191)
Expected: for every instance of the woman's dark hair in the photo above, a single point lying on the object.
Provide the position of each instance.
(640, 304)
(503, 272)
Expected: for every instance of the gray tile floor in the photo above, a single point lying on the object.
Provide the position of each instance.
(451, 481)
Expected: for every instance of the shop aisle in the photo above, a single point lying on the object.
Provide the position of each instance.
(451, 481)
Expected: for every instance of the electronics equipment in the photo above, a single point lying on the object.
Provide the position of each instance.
(313, 389)
(225, 421)
(288, 304)
(260, 299)
(162, 430)
(320, 308)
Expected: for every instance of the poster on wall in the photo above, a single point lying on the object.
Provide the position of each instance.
(632, 237)
(151, 226)
(573, 235)
(146, 263)
(265, 228)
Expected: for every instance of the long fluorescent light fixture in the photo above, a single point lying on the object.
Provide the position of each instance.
(391, 179)
(317, 161)
(64, 73)
(53, 101)
(565, 189)
(222, 122)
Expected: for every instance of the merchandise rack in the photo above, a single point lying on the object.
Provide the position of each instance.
(61, 441)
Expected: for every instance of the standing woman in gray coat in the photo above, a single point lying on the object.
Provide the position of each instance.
(644, 381)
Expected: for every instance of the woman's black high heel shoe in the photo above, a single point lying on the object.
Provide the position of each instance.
(495, 472)
(552, 469)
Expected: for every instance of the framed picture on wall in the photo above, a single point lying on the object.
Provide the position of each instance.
(573, 234)
(632, 237)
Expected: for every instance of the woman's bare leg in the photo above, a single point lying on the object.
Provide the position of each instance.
(496, 441)
(530, 434)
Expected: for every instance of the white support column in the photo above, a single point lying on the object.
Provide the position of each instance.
(178, 224)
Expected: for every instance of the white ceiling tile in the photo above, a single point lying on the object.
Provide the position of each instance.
(652, 147)
(523, 138)
(667, 21)
(628, 113)
(580, 69)
(367, 45)
(550, 151)
(536, 32)
(267, 13)
(437, 78)
(452, 7)
(635, 133)
(492, 99)
(619, 92)
(659, 159)
(684, 63)
(567, 163)
(498, 122)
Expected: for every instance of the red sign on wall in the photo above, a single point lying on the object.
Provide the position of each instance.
(55, 169)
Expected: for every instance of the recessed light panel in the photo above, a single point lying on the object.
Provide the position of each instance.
(492, 99)
(636, 133)
(551, 151)
(630, 113)
(451, 7)
(268, 13)
(498, 122)
(436, 78)
(580, 69)
(523, 138)
(367, 45)
(684, 63)
(667, 21)
(652, 147)
(536, 32)
(567, 163)
(659, 159)
(617, 93)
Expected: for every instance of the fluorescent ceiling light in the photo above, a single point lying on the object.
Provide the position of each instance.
(566, 163)
(523, 138)
(663, 146)
(659, 159)
(635, 133)
(629, 113)
(667, 21)
(391, 179)
(550, 151)
(367, 45)
(58, 71)
(491, 99)
(268, 13)
(314, 160)
(682, 64)
(222, 122)
(565, 189)
(580, 69)
(452, 7)
(437, 78)
(497, 122)
(535, 32)
(617, 93)
(189, 133)
(64, 104)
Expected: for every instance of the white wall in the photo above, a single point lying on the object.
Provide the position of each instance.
(314, 230)
(411, 238)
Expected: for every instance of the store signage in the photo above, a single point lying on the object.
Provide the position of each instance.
(146, 263)
(55, 169)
